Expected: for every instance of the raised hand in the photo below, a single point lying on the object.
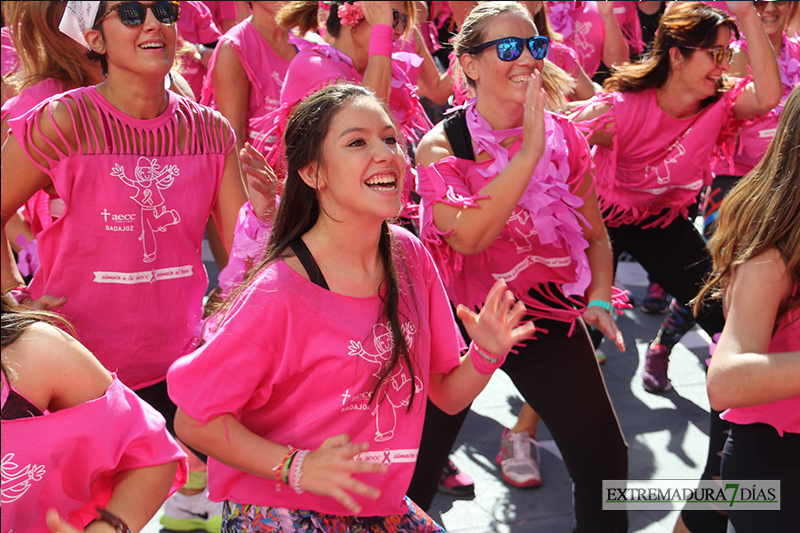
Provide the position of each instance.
(328, 471)
(497, 327)
(738, 9)
(533, 130)
(262, 183)
(377, 12)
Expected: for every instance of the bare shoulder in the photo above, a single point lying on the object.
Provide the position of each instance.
(54, 370)
(765, 274)
(434, 146)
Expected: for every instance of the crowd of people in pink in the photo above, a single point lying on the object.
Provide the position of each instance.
(401, 198)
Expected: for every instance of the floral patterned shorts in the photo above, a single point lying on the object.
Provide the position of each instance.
(238, 518)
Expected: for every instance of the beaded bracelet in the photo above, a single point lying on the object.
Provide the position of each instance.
(296, 473)
(109, 518)
(282, 469)
(601, 304)
(18, 294)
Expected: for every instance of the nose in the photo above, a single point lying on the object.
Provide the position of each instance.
(725, 64)
(150, 20)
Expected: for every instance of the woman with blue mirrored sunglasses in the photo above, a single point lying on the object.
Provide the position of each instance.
(510, 48)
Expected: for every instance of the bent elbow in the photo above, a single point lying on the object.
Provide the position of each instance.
(718, 393)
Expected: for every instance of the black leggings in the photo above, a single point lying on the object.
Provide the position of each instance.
(676, 258)
(559, 377)
(757, 451)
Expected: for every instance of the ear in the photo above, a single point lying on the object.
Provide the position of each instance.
(311, 176)
(469, 66)
(95, 40)
(676, 58)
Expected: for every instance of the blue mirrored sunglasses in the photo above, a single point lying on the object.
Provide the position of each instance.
(510, 48)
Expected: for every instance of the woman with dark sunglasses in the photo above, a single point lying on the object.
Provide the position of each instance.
(507, 194)
(659, 131)
(140, 170)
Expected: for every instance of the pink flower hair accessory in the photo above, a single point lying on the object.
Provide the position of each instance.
(350, 14)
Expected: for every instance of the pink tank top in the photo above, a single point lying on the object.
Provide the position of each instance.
(582, 27)
(265, 70)
(783, 415)
(126, 251)
(658, 163)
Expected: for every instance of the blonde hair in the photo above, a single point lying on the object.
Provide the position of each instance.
(44, 52)
(762, 211)
(555, 81)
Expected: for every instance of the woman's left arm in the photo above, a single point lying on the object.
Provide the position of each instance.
(764, 93)
(601, 263)
(495, 329)
(741, 372)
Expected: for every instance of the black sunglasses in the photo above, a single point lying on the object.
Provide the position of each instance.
(510, 48)
(398, 17)
(134, 13)
(717, 52)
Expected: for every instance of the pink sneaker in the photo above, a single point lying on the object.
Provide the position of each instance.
(455, 482)
(516, 460)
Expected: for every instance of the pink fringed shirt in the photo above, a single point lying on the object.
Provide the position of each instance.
(658, 164)
(126, 251)
(542, 242)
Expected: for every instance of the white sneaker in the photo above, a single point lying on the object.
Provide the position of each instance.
(190, 513)
(516, 460)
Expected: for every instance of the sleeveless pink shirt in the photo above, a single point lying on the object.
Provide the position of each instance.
(126, 251)
(265, 70)
(783, 415)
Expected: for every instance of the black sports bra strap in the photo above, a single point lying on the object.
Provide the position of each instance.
(309, 263)
(455, 127)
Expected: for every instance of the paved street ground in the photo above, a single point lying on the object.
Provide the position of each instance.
(667, 435)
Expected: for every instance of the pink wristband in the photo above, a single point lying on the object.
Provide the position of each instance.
(380, 40)
(484, 362)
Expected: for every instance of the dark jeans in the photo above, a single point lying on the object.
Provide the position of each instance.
(156, 395)
(676, 258)
(559, 377)
(757, 451)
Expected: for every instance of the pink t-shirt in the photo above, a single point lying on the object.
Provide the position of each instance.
(196, 25)
(518, 254)
(67, 460)
(126, 251)
(265, 70)
(297, 364)
(783, 415)
(755, 135)
(658, 164)
(221, 11)
(582, 27)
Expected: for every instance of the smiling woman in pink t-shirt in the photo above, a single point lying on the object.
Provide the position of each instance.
(318, 374)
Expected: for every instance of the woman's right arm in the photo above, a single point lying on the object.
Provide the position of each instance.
(378, 74)
(603, 135)
(20, 180)
(231, 90)
(471, 230)
(741, 372)
(326, 471)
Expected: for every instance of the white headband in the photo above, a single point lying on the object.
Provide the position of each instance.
(78, 17)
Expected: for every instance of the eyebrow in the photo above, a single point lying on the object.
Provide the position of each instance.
(360, 130)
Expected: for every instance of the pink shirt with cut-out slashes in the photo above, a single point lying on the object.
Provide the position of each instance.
(126, 251)
(582, 27)
(297, 364)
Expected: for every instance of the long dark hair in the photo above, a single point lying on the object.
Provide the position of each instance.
(690, 24)
(299, 209)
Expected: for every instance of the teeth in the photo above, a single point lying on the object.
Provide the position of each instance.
(521, 79)
(152, 45)
(380, 180)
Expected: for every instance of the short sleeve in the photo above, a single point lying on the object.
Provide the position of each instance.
(235, 368)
